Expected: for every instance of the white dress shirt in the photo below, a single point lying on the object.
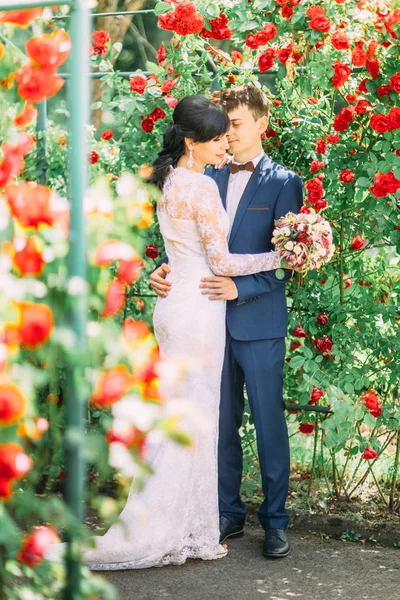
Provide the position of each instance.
(236, 185)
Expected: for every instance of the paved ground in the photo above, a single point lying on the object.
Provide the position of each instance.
(315, 570)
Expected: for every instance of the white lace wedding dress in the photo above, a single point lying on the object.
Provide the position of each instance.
(181, 497)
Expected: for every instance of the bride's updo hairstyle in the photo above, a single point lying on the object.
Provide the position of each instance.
(194, 117)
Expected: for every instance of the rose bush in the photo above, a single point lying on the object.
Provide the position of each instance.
(331, 72)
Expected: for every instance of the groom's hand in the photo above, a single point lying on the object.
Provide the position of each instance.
(219, 288)
(158, 282)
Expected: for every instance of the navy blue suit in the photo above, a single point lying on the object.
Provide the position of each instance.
(255, 347)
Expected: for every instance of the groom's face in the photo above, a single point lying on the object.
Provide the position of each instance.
(245, 131)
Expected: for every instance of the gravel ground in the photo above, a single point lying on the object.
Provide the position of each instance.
(316, 569)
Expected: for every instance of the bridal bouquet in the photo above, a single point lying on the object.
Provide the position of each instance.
(304, 240)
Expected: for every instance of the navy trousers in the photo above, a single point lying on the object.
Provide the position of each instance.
(259, 364)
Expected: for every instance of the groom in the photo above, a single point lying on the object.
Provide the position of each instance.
(255, 191)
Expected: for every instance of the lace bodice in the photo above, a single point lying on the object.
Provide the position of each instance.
(199, 226)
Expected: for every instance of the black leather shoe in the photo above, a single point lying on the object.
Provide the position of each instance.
(276, 544)
(229, 530)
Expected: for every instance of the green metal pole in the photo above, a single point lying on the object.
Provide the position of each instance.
(41, 142)
(78, 105)
(15, 5)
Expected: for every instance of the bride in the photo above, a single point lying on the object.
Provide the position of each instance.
(181, 497)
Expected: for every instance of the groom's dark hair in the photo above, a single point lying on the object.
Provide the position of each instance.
(246, 95)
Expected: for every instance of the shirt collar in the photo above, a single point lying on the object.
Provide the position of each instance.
(255, 160)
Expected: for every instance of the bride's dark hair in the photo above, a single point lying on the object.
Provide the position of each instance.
(194, 117)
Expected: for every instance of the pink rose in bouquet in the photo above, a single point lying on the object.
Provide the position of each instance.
(304, 240)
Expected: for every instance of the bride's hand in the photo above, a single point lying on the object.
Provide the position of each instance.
(228, 158)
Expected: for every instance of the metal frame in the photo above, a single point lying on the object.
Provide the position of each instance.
(78, 105)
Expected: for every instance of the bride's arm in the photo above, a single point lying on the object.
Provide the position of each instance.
(209, 214)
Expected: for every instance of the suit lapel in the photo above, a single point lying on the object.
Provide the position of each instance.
(254, 182)
(222, 183)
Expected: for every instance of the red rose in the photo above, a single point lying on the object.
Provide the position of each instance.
(320, 23)
(346, 176)
(284, 53)
(323, 344)
(299, 332)
(185, 11)
(370, 400)
(261, 38)
(93, 157)
(137, 84)
(167, 21)
(394, 118)
(340, 41)
(100, 38)
(219, 28)
(183, 27)
(320, 145)
(369, 454)
(100, 50)
(343, 119)
(395, 82)
(357, 243)
(384, 90)
(251, 41)
(362, 107)
(287, 12)
(294, 345)
(167, 86)
(342, 73)
(107, 134)
(316, 165)
(270, 30)
(332, 138)
(305, 210)
(315, 189)
(270, 133)
(347, 283)
(358, 56)
(197, 23)
(157, 114)
(147, 125)
(151, 251)
(236, 56)
(161, 54)
(36, 544)
(379, 123)
(266, 60)
(320, 204)
(306, 428)
(372, 66)
(316, 394)
(376, 413)
(384, 184)
(322, 319)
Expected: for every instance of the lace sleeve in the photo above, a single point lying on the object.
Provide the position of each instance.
(210, 216)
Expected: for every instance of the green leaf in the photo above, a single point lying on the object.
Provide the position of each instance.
(297, 362)
(162, 7)
(213, 10)
(248, 25)
(154, 68)
(363, 182)
(349, 388)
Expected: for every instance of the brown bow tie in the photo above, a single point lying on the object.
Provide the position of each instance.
(235, 168)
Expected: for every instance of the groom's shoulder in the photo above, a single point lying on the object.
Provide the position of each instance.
(214, 173)
(281, 173)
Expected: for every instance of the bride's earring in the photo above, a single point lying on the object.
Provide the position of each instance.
(190, 161)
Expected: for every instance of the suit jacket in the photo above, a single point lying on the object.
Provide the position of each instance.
(260, 311)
